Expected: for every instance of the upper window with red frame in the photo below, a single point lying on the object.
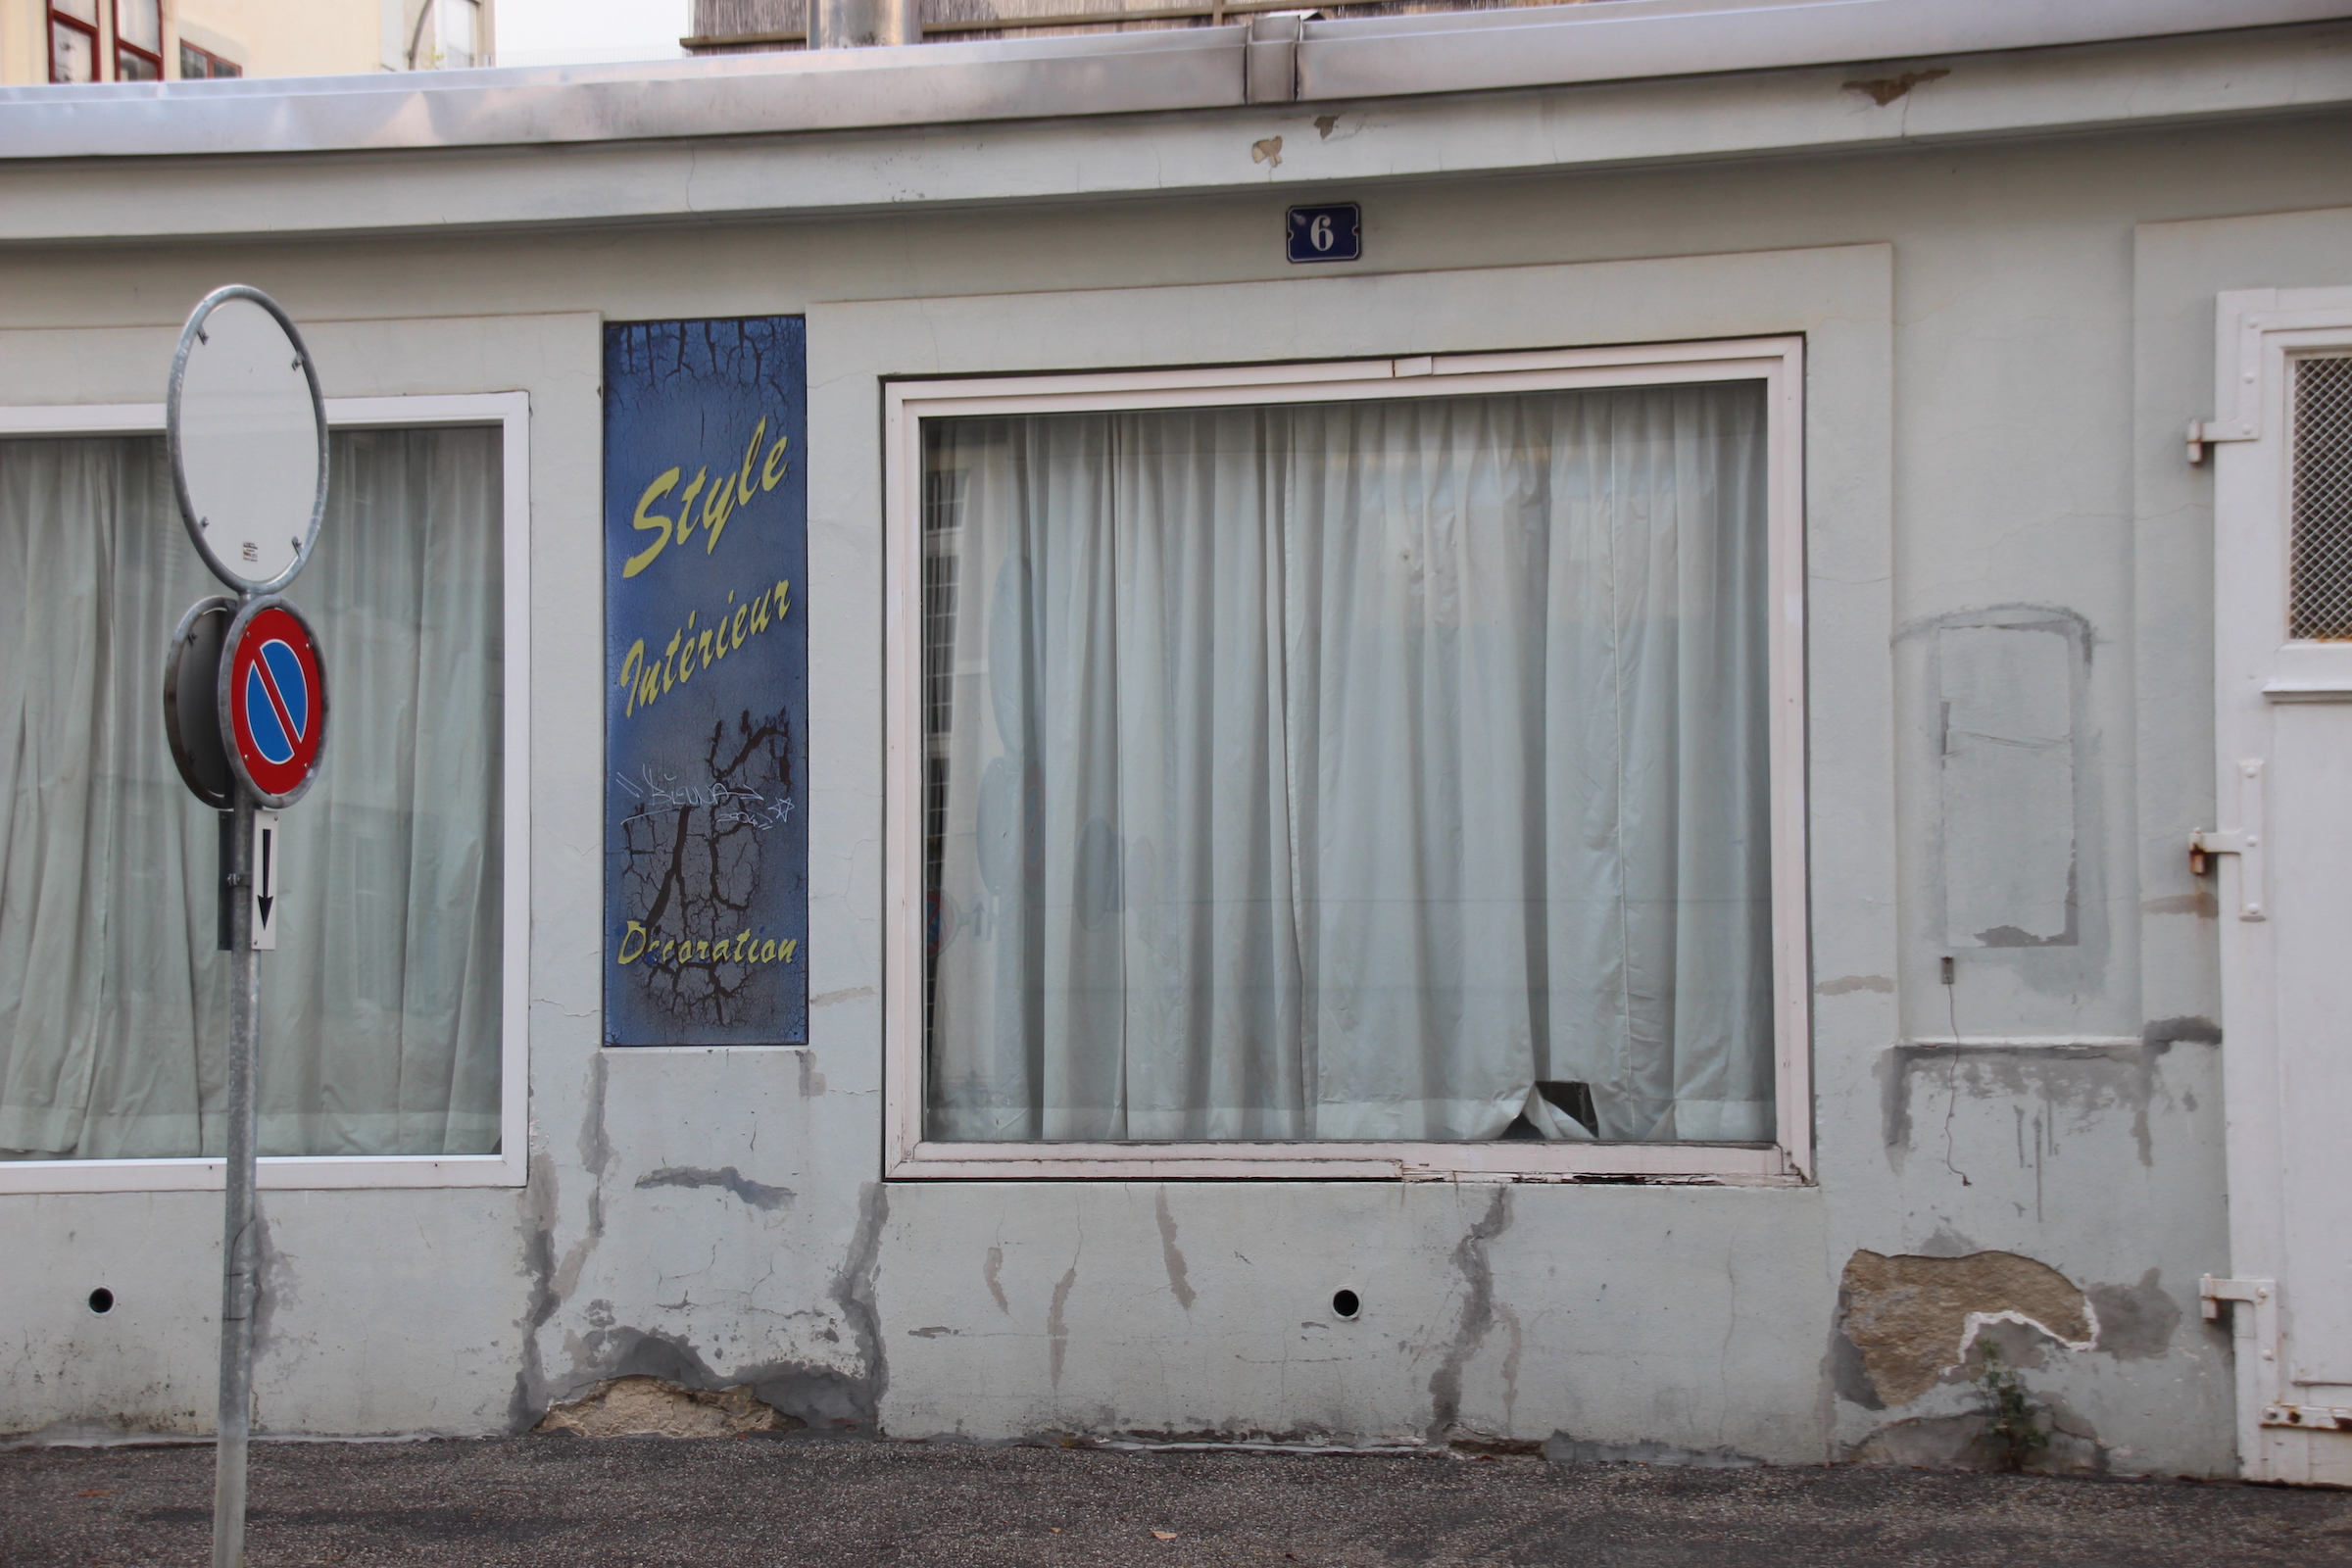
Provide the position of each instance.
(72, 41)
(199, 65)
(138, 41)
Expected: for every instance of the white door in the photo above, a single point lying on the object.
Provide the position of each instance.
(2282, 445)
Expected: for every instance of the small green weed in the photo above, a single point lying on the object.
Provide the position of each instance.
(2008, 1417)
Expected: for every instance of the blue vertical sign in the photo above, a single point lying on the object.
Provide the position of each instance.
(705, 683)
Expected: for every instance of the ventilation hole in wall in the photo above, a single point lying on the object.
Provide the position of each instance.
(102, 1299)
(1345, 1305)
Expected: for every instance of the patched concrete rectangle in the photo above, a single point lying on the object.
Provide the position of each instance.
(2007, 783)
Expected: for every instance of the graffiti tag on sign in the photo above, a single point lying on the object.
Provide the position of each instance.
(706, 699)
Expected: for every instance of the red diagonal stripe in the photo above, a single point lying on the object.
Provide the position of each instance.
(285, 719)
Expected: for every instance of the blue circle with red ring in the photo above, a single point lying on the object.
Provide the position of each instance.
(272, 700)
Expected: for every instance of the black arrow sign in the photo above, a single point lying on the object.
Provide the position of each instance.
(264, 899)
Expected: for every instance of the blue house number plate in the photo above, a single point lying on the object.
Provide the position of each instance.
(1334, 233)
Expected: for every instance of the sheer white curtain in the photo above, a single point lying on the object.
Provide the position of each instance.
(1360, 771)
(380, 1007)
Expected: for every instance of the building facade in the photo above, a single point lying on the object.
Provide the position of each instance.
(91, 41)
(756, 26)
(1473, 730)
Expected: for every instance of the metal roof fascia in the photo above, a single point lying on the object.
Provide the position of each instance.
(1069, 77)
(730, 95)
(1470, 51)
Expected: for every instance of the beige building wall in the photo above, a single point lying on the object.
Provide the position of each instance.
(274, 37)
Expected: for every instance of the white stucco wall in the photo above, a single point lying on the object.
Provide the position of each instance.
(2001, 337)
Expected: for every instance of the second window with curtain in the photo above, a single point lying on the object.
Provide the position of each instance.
(1370, 771)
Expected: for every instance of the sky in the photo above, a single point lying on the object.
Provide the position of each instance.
(572, 32)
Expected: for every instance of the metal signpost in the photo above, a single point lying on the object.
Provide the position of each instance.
(245, 712)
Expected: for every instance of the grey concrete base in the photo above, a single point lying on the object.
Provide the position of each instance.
(657, 1501)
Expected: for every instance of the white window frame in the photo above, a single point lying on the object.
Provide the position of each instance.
(512, 413)
(1778, 362)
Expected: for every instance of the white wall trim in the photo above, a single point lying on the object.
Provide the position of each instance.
(510, 410)
(1779, 362)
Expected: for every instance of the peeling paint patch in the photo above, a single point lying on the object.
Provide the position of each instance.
(2079, 1080)
(1267, 152)
(757, 1194)
(2136, 1322)
(1948, 1243)
(811, 1395)
(1171, 1255)
(1914, 1319)
(827, 999)
(649, 1408)
(1849, 1379)
(1846, 985)
(1884, 90)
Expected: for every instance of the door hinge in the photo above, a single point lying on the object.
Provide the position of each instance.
(2254, 1331)
(2213, 1294)
(2203, 434)
(2244, 842)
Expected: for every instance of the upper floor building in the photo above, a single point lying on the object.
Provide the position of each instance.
(193, 40)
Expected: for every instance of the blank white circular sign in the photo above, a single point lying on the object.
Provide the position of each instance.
(248, 440)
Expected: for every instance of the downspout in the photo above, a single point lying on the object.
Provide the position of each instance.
(416, 33)
(863, 23)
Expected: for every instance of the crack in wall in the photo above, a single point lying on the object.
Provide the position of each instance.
(1478, 1313)
(757, 1194)
(989, 1272)
(552, 1283)
(1172, 1257)
(852, 1290)
(1057, 1326)
(804, 1393)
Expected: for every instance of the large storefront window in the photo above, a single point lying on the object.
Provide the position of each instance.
(1390, 771)
(381, 1007)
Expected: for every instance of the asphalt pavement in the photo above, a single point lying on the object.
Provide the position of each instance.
(751, 1502)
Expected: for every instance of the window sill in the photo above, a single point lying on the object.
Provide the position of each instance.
(1703, 1165)
(277, 1173)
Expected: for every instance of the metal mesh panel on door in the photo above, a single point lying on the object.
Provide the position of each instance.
(2320, 594)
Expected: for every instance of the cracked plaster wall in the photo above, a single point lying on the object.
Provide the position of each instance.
(713, 1218)
(1487, 1312)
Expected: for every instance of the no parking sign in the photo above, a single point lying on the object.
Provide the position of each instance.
(274, 700)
